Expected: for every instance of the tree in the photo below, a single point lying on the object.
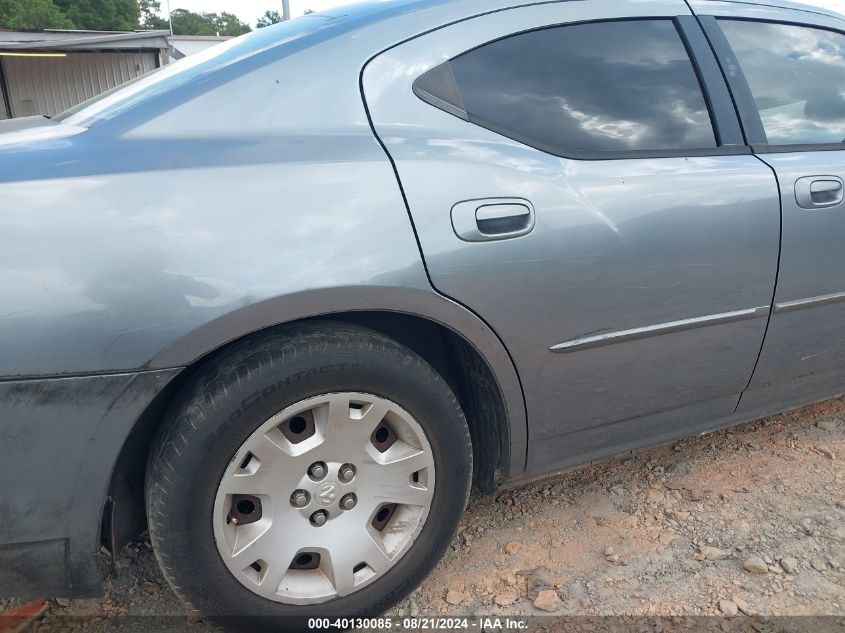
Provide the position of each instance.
(189, 23)
(114, 15)
(229, 24)
(150, 16)
(101, 15)
(269, 18)
(32, 14)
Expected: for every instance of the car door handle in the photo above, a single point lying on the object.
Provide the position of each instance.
(492, 219)
(819, 192)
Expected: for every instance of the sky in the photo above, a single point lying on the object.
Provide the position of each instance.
(250, 10)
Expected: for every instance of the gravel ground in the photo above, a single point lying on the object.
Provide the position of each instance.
(750, 521)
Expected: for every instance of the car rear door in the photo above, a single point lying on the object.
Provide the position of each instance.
(571, 180)
(787, 72)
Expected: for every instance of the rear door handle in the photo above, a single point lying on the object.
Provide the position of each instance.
(492, 219)
(819, 192)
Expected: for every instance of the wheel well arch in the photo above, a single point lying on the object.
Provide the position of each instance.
(463, 367)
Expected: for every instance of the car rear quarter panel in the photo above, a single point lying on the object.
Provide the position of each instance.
(101, 272)
(118, 242)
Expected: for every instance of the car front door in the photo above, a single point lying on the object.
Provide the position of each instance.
(574, 182)
(787, 72)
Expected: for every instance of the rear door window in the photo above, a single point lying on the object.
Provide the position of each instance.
(596, 88)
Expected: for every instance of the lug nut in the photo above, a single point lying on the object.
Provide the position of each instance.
(347, 502)
(299, 499)
(346, 473)
(319, 518)
(317, 471)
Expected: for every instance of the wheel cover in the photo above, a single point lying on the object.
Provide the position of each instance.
(324, 498)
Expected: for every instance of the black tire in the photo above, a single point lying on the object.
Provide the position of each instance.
(225, 402)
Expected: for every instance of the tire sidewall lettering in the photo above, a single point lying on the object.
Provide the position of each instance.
(255, 397)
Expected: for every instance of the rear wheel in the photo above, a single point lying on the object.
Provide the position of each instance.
(296, 477)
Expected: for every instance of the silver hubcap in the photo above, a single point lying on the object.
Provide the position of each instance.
(324, 498)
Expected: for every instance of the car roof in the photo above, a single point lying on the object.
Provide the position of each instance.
(381, 9)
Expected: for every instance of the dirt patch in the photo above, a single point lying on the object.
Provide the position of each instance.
(626, 537)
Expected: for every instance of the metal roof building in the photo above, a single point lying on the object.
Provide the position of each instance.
(47, 72)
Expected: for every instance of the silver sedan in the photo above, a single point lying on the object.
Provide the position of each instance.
(284, 303)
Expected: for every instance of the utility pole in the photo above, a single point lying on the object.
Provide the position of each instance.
(285, 10)
(170, 20)
(171, 53)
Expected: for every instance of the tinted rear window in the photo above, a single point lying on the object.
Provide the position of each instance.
(588, 88)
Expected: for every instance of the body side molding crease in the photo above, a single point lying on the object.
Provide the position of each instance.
(811, 302)
(609, 338)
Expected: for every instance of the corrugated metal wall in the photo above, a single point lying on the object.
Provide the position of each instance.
(50, 85)
(3, 110)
